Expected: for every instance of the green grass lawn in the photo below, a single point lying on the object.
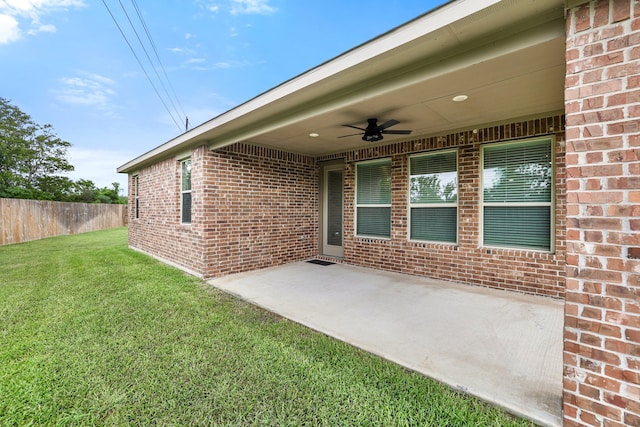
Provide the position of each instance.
(92, 333)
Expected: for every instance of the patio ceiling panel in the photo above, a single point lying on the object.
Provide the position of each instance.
(521, 78)
(495, 51)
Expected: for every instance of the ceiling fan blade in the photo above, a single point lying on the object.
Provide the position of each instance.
(396, 132)
(351, 134)
(388, 124)
(355, 127)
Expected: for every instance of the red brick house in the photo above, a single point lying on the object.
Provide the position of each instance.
(521, 172)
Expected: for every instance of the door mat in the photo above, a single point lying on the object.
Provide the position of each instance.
(320, 262)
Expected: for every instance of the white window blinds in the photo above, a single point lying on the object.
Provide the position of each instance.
(373, 199)
(517, 194)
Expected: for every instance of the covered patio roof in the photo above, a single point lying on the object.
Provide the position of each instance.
(507, 57)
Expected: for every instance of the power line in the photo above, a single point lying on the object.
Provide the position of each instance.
(140, 62)
(153, 45)
(149, 58)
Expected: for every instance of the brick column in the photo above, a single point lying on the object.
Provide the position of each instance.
(602, 311)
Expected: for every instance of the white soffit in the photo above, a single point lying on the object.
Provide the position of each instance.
(451, 28)
(419, 27)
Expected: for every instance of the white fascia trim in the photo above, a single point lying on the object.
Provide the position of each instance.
(538, 35)
(183, 155)
(430, 22)
(570, 4)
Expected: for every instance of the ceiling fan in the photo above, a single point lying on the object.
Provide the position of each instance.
(373, 132)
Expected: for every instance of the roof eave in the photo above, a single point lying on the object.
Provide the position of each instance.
(423, 25)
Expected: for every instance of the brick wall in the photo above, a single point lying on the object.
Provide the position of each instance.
(251, 208)
(158, 230)
(255, 207)
(262, 208)
(602, 315)
(468, 262)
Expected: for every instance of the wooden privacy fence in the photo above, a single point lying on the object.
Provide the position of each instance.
(22, 220)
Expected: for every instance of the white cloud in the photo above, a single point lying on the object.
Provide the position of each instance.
(214, 8)
(9, 29)
(99, 166)
(245, 7)
(15, 14)
(46, 28)
(31, 5)
(88, 89)
(221, 65)
(182, 50)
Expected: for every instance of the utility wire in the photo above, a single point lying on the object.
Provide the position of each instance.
(150, 61)
(141, 65)
(144, 49)
(155, 50)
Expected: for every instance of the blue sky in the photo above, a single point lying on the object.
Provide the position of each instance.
(65, 63)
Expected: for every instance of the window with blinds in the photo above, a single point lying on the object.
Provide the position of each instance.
(185, 191)
(373, 198)
(517, 193)
(433, 197)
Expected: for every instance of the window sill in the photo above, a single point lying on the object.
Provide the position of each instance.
(425, 243)
(373, 238)
(503, 249)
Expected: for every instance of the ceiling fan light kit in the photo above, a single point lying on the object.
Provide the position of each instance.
(374, 133)
(372, 137)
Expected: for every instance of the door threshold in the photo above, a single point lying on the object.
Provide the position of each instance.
(330, 258)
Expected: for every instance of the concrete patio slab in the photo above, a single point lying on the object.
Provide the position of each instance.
(503, 347)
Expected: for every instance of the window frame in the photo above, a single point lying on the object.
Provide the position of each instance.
(411, 205)
(386, 160)
(551, 204)
(183, 192)
(136, 193)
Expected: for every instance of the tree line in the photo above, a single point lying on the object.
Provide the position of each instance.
(33, 160)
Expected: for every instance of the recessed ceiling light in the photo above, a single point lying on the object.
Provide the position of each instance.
(460, 98)
(314, 135)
